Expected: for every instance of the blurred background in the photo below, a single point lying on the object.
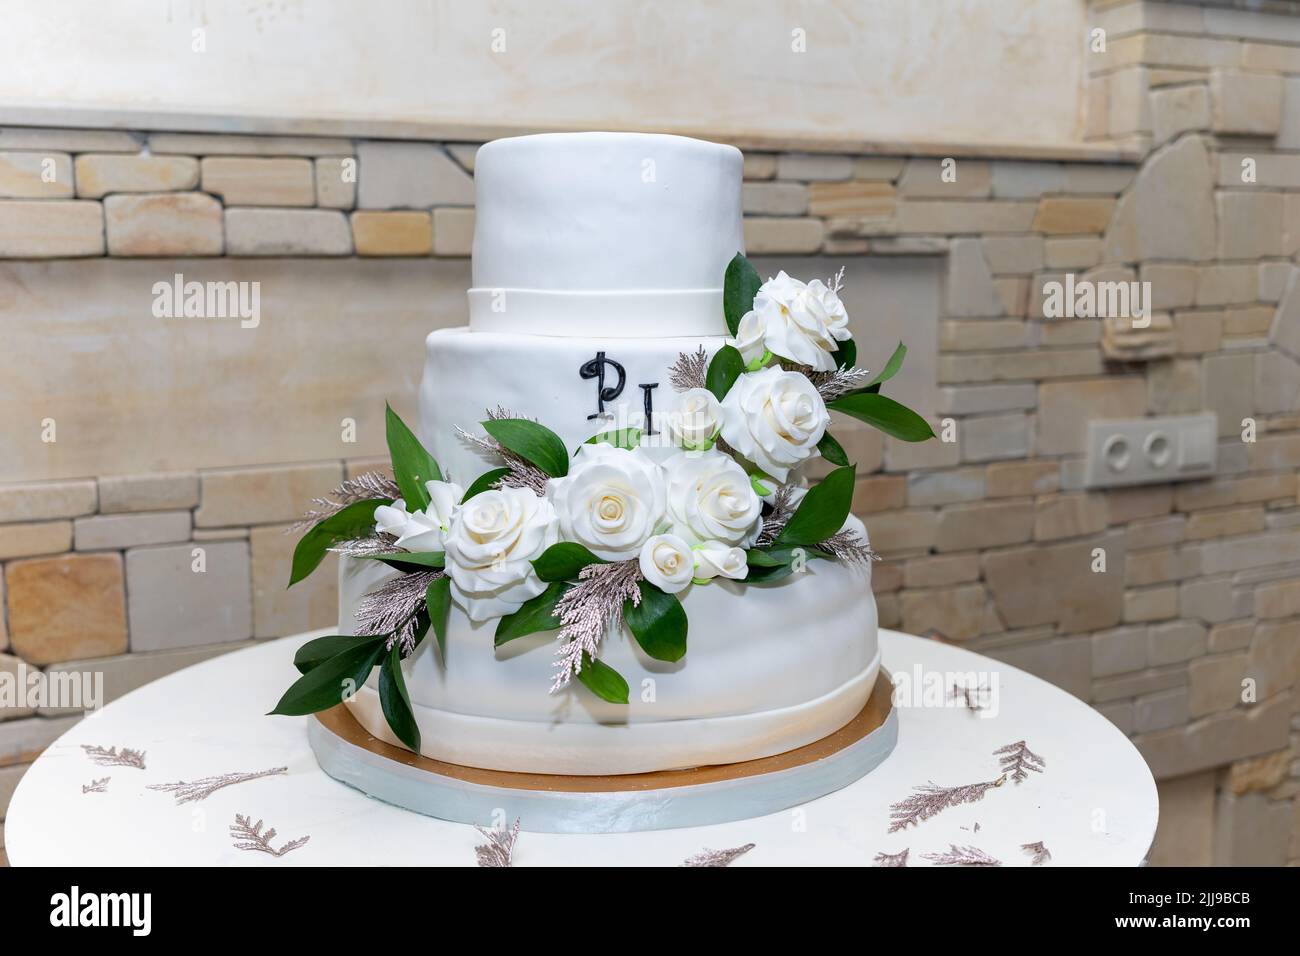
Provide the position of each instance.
(957, 157)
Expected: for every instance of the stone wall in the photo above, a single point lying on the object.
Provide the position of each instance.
(987, 538)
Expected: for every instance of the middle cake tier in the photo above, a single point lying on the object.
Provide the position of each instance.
(576, 387)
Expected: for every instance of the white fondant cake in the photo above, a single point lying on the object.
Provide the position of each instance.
(611, 247)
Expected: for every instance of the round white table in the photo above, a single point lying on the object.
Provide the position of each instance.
(1092, 802)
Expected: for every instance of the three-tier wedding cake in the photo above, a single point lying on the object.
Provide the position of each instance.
(603, 553)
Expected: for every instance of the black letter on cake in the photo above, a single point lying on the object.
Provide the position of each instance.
(648, 392)
(596, 369)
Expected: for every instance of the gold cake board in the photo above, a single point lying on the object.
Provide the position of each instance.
(618, 803)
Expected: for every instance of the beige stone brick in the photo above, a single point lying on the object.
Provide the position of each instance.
(1221, 492)
(996, 437)
(1073, 252)
(410, 176)
(955, 613)
(879, 493)
(1150, 604)
(1246, 103)
(222, 144)
(1251, 551)
(22, 741)
(974, 399)
(1278, 599)
(1159, 711)
(1173, 285)
(34, 537)
(1216, 740)
(1221, 524)
(66, 607)
(453, 232)
(1020, 366)
(1119, 651)
(1234, 636)
(1174, 387)
(69, 140)
(1160, 566)
(40, 501)
(177, 599)
(1128, 110)
(255, 181)
(336, 182)
(4, 628)
(767, 235)
(1259, 773)
(269, 495)
(392, 233)
(1196, 333)
(1014, 293)
(1274, 277)
(955, 217)
(813, 166)
(1270, 57)
(1274, 657)
(1277, 382)
(946, 179)
(35, 175)
(1149, 681)
(1230, 389)
(886, 576)
(1014, 255)
(1252, 321)
(163, 224)
(1227, 284)
(1128, 504)
(1215, 683)
(1072, 215)
(115, 532)
(1175, 642)
(287, 232)
(1065, 408)
(900, 531)
(1022, 478)
(1151, 532)
(1098, 179)
(759, 166)
(970, 289)
(160, 491)
(308, 605)
(1250, 224)
(1173, 186)
(878, 167)
(887, 611)
(778, 199)
(1274, 452)
(1178, 110)
(44, 229)
(945, 487)
(981, 336)
(1069, 516)
(1065, 662)
(987, 524)
(854, 198)
(941, 570)
(13, 671)
(124, 673)
(1015, 179)
(99, 174)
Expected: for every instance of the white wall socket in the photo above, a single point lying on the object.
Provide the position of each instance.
(1147, 450)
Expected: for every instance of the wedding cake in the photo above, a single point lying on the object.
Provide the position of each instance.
(603, 553)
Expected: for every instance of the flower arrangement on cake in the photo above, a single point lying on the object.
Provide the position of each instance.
(604, 536)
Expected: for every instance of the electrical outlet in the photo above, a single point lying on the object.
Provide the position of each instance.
(1148, 450)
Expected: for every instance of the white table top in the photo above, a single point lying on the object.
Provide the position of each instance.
(1094, 804)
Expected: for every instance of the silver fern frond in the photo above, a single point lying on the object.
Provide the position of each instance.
(371, 485)
(392, 607)
(500, 847)
(891, 859)
(1019, 761)
(201, 789)
(589, 609)
(961, 856)
(707, 857)
(931, 799)
(690, 371)
(112, 757)
(249, 836)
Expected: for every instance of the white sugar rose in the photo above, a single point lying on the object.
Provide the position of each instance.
(750, 335)
(694, 423)
(774, 418)
(713, 559)
(490, 546)
(610, 501)
(710, 498)
(421, 530)
(803, 323)
(667, 562)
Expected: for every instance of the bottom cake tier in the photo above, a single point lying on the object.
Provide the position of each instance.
(767, 670)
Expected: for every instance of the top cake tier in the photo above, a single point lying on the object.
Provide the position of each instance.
(604, 234)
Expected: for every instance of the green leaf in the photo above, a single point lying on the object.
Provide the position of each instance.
(357, 520)
(822, 511)
(603, 681)
(412, 465)
(408, 561)
(885, 414)
(832, 450)
(532, 442)
(437, 599)
(563, 561)
(395, 700)
(619, 437)
(537, 614)
(484, 482)
(766, 558)
(323, 648)
(658, 623)
(846, 355)
(726, 367)
(762, 576)
(889, 371)
(326, 684)
(740, 283)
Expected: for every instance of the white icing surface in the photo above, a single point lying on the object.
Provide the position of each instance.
(465, 373)
(616, 231)
(767, 669)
